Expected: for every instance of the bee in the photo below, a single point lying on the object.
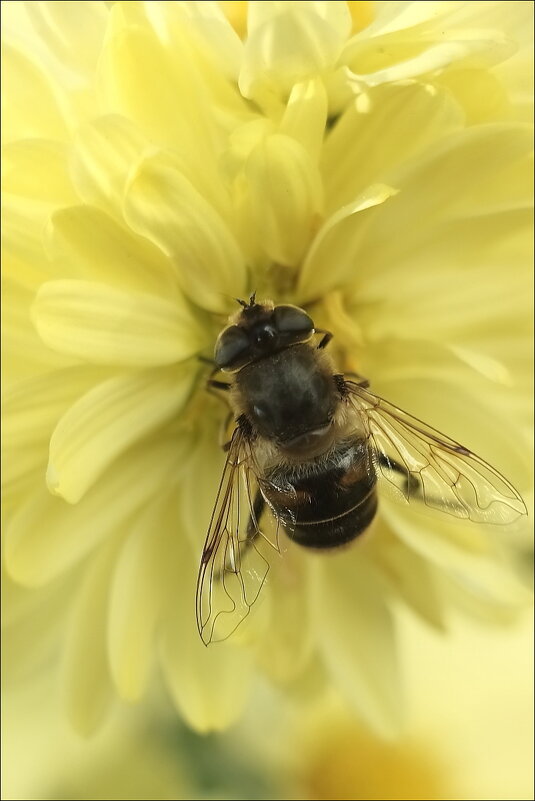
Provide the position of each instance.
(309, 446)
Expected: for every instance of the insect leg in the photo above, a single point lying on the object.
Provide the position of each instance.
(223, 385)
(411, 484)
(359, 379)
(253, 526)
(326, 338)
(252, 531)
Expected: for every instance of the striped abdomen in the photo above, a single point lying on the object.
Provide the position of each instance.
(325, 503)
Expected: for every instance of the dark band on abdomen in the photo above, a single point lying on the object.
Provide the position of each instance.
(337, 531)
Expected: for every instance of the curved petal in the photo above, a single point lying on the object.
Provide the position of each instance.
(139, 592)
(104, 325)
(47, 537)
(95, 247)
(305, 116)
(104, 151)
(406, 575)
(109, 419)
(357, 639)
(37, 169)
(133, 62)
(163, 205)
(283, 197)
(31, 410)
(31, 108)
(86, 681)
(209, 685)
(453, 246)
(289, 42)
(365, 145)
(332, 257)
(24, 355)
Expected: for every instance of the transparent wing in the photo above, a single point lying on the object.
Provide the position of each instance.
(233, 565)
(422, 464)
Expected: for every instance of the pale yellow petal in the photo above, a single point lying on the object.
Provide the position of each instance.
(356, 633)
(37, 169)
(138, 79)
(208, 685)
(210, 30)
(285, 645)
(23, 232)
(468, 559)
(482, 194)
(406, 575)
(104, 325)
(86, 677)
(109, 419)
(479, 92)
(73, 32)
(30, 107)
(142, 587)
(24, 354)
(33, 626)
(291, 41)
(305, 116)
(47, 537)
(31, 410)
(333, 255)
(471, 50)
(84, 242)
(104, 151)
(366, 143)
(162, 205)
(283, 197)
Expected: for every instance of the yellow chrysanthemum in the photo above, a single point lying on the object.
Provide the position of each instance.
(156, 167)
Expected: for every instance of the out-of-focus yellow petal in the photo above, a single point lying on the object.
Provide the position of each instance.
(382, 128)
(479, 92)
(284, 197)
(73, 33)
(30, 108)
(33, 625)
(291, 41)
(141, 588)
(104, 325)
(305, 116)
(86, 243)
(103, 153)
(30, 412)
(210, 31)
(481, 195)
(86, 680)
(356, 638)
(107, 420)
(332, 258)
(38, 169)
(406, 575)
(209, 685)
(163, 96)
(286, 646)
(24, 355)
(162, 205)
(47, 537)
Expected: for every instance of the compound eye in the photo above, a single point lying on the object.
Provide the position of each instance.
(292, 320)
(231, 346)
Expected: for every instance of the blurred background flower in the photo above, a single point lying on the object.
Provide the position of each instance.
(368, 160)
(469, 736)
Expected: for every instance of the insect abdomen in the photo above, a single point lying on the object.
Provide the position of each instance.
(329, 505)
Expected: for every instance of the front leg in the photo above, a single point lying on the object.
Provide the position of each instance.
(326, 338)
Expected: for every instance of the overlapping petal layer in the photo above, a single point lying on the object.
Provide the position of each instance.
(156, 167)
